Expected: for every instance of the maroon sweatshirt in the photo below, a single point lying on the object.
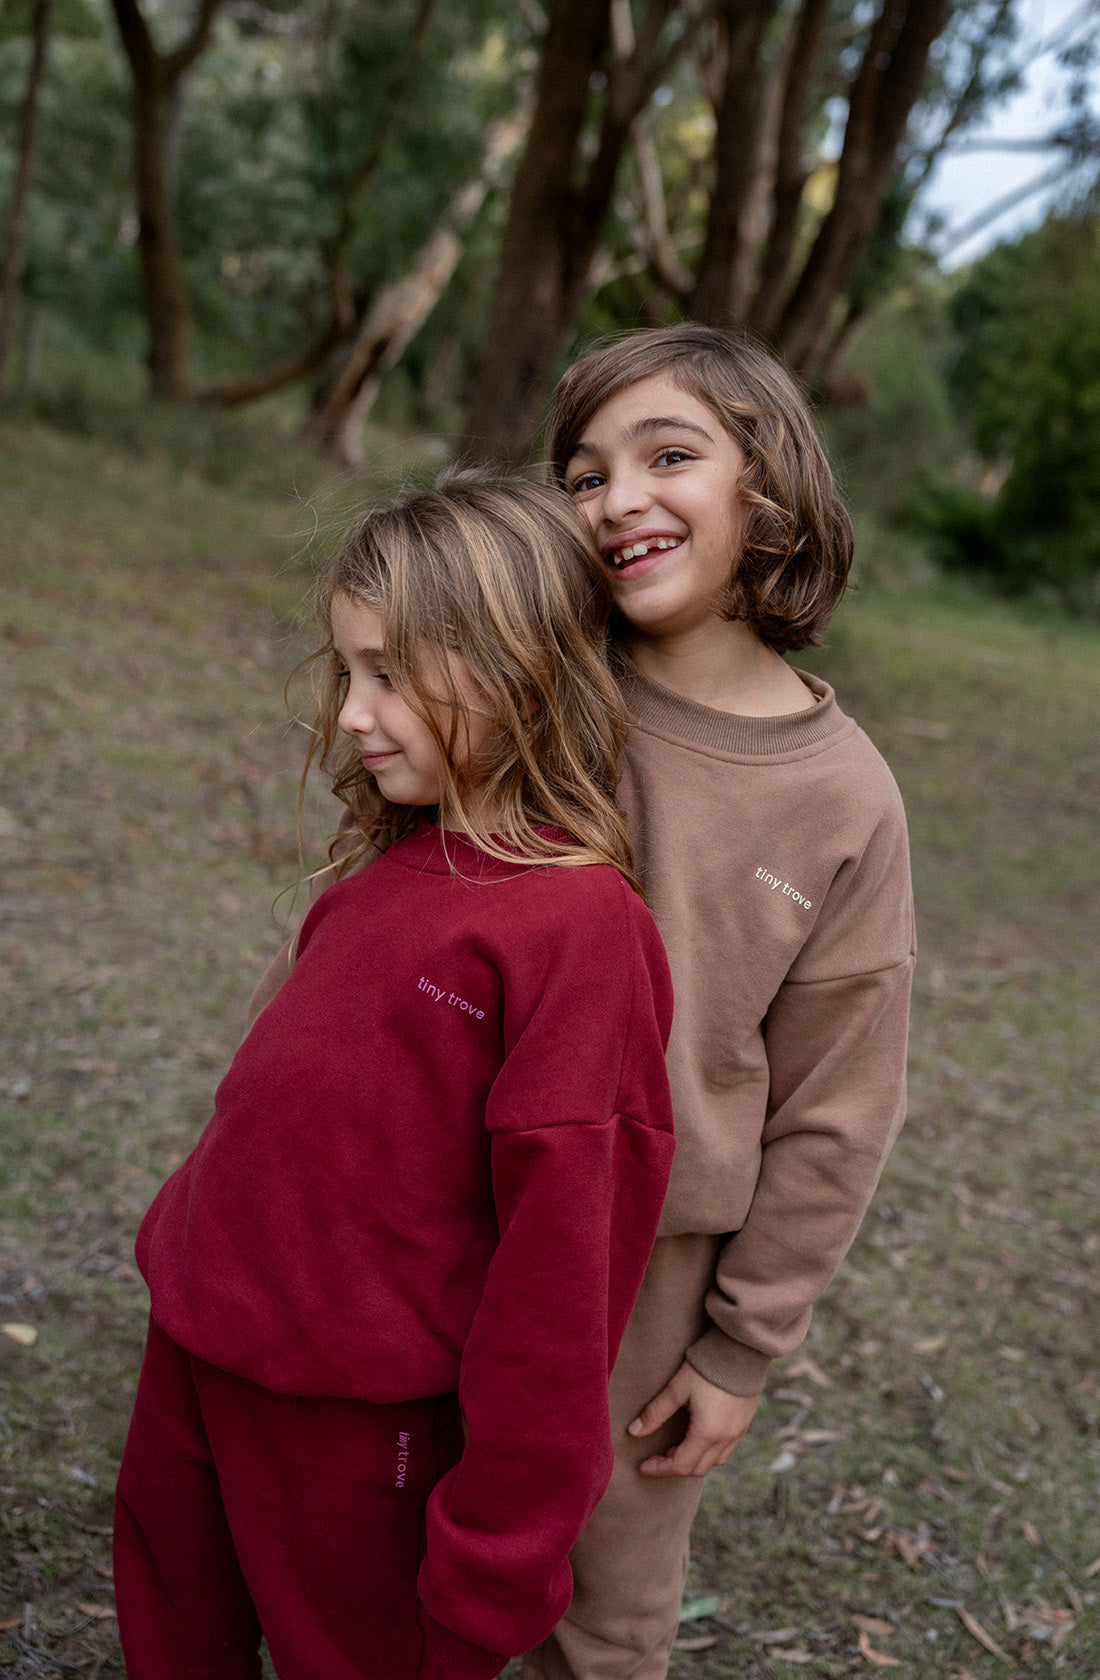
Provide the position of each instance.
(437, 1162)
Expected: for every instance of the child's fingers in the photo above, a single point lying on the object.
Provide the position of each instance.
(717, 1423)
(693, 1457)
(675, 1394)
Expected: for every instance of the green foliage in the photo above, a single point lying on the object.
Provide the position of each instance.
(1026, 379)
(276, 121)
(897, 419)
(67, 17)
(81, 256)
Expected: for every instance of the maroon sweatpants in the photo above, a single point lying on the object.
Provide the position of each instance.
(244, 1514)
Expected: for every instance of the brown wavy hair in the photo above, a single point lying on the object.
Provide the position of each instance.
(490, 578)
(796, 540)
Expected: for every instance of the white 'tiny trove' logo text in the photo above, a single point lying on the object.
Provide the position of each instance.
(773, 881)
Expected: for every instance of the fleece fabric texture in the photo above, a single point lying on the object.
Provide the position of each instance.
(437, 1164)
(774, 856)
(214, 1552)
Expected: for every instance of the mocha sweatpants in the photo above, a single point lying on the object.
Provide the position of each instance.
(244, 1514)
(629, 1564)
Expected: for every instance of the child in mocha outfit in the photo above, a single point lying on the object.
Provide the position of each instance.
(388, 1285)
(771, 842)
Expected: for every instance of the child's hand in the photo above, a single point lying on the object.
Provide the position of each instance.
(717, 1422)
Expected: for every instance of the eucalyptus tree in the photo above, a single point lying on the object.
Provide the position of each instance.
(747, 163)
(157, 73)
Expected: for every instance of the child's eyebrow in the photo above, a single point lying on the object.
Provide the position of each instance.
(642, 429)
(371, 651)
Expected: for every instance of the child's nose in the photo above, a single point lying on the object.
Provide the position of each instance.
(625, 495)
(356, 716)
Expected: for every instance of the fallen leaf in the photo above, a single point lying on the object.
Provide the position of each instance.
(775, 1638)
(1060, 1635)
(16, 1621)
(930, 1344)
(879, 1658)
(908, 1549)
(964, 1674)
(935, 1491)
(1093, 1569)
(806, 1368)
(701, 1642)
(694, 1609)
(1031, 1534)
(795, 1397)
(975, 1628)
(102, 1612)
(778, 1654)
(818, 1437)
(25, 1334)
(872, 1624)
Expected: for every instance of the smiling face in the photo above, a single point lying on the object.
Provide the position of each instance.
(655, 476)
(395, 744)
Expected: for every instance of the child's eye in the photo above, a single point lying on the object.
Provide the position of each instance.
(586, 481)
(673, 457)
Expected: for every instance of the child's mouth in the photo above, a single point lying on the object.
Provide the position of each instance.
(617, 558)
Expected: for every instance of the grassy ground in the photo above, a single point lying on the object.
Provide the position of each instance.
(920, 1490)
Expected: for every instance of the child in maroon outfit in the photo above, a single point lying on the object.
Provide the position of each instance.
(388, 1285)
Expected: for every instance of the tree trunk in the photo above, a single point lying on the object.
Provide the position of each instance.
(724, 276)
(391, 322)
(790, 170)
(17, 215)
(400, 309)
(525, 320)
(883, 94)
(553, 227)
(156, 78)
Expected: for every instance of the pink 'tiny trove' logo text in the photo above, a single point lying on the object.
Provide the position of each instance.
(402, 1456)
(439, 994)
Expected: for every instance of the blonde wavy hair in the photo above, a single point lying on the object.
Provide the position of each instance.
(490, 579)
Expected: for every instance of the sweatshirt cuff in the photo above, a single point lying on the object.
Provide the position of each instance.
(447, 1656)
(727, 1364)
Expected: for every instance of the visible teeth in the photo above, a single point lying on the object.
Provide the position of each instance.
(636, 550)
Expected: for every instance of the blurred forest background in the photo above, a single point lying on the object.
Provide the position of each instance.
(264, 258)
(307, 212)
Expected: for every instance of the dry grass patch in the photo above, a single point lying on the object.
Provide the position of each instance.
(920, 1491)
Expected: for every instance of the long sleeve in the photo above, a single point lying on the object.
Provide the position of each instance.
(835, 1036)
(581, 1147)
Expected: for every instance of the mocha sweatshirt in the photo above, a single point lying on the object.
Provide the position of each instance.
(774, 857)
(437, 1163)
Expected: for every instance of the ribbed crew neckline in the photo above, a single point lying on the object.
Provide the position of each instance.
(651, 704)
